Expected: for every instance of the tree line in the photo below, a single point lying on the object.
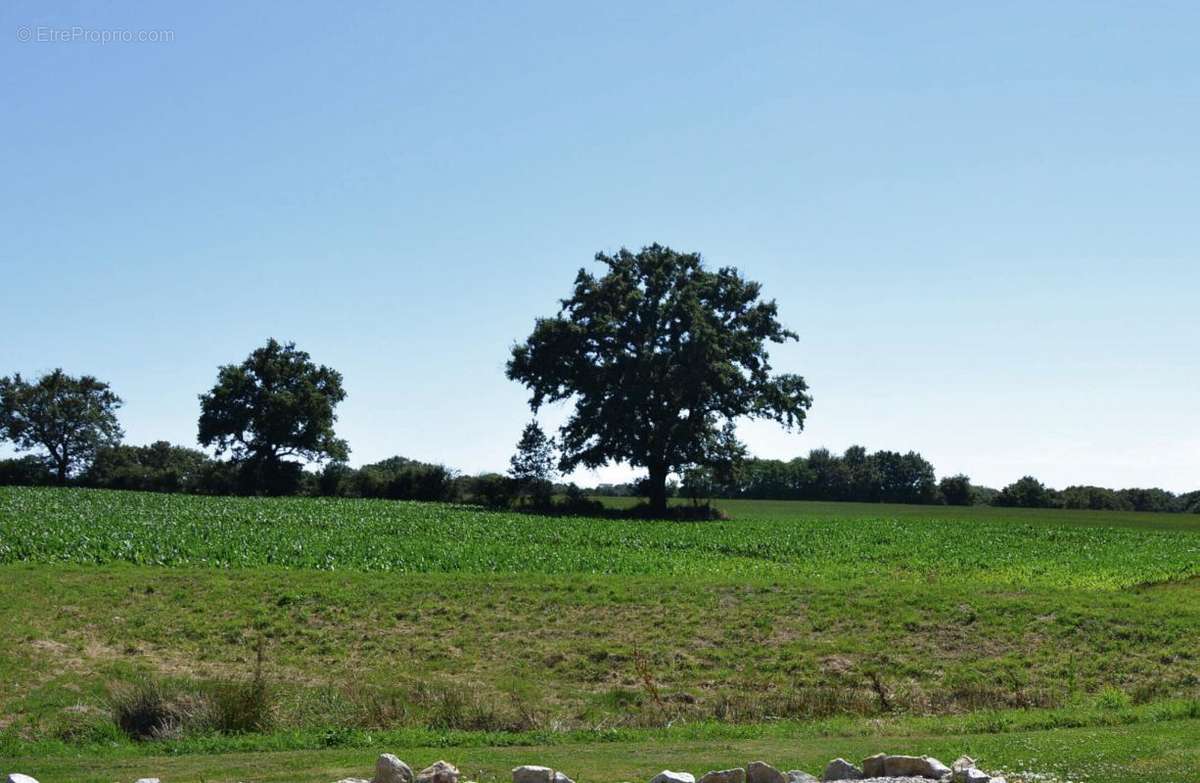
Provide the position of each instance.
(892, 477)
(855, 475)
(659, 357)
(273, 415)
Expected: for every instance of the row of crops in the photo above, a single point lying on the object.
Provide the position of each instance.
(101, 527)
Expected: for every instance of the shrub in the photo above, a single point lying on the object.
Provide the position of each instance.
(1153, 499)
(399, 478)
(217, 478)
(685, 513)
(956, 490)
(492, 490)
(269, 477)
(454, 706)
(576, 502)
(1113, 700)
(150, 710)
(240, 707)
(334, 479)
(1026, 492)
(1094, 498)
(25, 471)
(82, 725)
(159, 467)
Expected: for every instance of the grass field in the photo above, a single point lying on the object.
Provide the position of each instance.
(793, 631)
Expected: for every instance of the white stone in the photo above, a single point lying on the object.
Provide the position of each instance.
(873, 766)
(17, 777)
(936, 768)
(962, 762)
(561, 778)
(146, 780)
(762, 772)
(531, 773)
(905, 767)
(800, 776)
(970, 775)
(667, 776)
(439, 772)
(389, 769)
(840, 769)
(737, 775)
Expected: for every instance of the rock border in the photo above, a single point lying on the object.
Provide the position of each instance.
(881, 768)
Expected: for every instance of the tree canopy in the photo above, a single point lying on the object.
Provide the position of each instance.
(1025, 492)
(69, 417)
(532, 466)
(274, 405)
(660, 356)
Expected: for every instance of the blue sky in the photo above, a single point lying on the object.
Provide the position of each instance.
(981, 218)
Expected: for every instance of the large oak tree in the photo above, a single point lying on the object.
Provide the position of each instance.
(660, 356)
(69, 417)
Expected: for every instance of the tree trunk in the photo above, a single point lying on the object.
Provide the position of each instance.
(62, 473)
(658, 490)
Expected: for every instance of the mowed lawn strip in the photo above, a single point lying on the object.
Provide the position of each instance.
(1164, 752)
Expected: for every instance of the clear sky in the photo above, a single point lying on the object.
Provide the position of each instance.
(982, 218)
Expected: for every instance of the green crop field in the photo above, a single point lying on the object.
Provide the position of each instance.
(816, 540)
(792, 629)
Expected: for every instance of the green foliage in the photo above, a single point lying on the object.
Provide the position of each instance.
(70, 418)
(1026, 492)
(884, 476)
(154, 710)
(983, 496)
(813, 609)
(27, 471)
(242, 706)
(905, 478)
(400, 478)
(159, 467)
(532, 466)
(492, 490)
(660, 356)
(274, 405)
(1154, 499)
(1093, 498)
(88, 526)
(956, 490)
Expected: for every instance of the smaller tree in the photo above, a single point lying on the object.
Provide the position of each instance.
(69, 417)
(1026, 492)
(905, 478)
(491, 490)
(956, 490)
(276, 404)
(532, 467)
